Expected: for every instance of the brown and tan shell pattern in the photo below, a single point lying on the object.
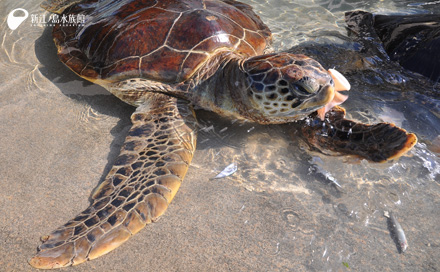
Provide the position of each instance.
(165, 40)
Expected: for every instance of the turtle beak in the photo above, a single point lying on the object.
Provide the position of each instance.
(341, 84)
(323, 97)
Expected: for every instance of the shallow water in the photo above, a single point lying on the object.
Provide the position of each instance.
(287, 208)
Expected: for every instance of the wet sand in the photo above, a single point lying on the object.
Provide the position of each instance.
(60, 135)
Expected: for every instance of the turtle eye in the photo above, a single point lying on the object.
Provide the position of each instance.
(302, 89)
(305, 86)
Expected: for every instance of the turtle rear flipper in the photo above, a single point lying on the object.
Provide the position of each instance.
(378, 143)
(143, 181)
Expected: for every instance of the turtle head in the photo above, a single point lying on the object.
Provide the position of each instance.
(285, 86)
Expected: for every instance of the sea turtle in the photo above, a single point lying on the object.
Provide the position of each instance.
(164, 57)
(412, 40)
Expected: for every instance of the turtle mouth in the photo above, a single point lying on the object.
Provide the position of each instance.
(323, 97)
(341, 84)
(328, 97)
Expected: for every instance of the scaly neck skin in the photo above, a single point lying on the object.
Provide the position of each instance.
(225, 92)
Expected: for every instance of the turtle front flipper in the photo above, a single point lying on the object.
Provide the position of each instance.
(378, 143)
(138, 189)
